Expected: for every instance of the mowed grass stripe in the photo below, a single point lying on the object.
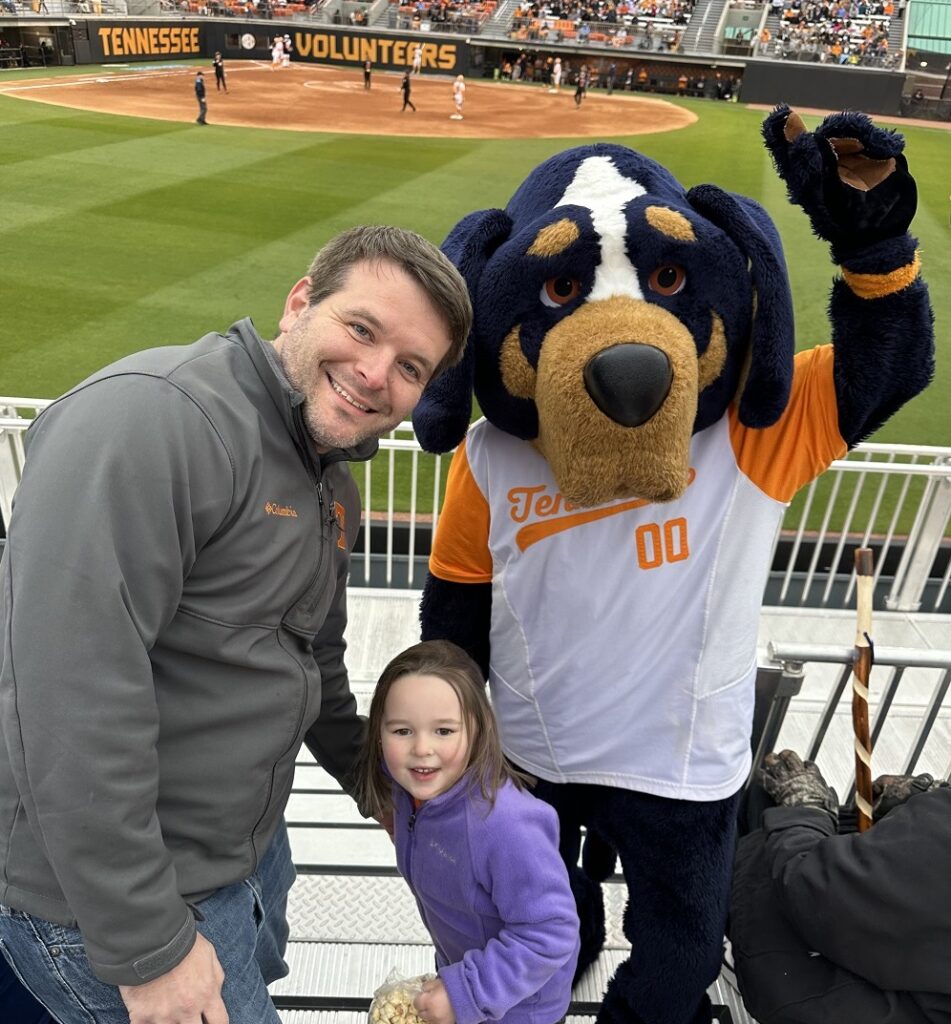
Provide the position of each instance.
(159, 231)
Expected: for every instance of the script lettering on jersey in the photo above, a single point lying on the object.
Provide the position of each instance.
(526, 502)
(539, 509)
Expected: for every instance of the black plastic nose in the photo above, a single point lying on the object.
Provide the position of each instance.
(628, 383)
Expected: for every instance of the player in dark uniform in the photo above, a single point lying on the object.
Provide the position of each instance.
(219, 65)
(405, 86)
(582, 87)
(200, 96)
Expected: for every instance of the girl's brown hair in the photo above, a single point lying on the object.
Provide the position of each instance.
(487, 766)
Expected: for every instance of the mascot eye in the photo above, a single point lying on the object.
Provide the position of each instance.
(668, 280)
(559, 291)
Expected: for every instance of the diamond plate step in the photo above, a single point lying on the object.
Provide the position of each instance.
(358, 908)
(354, 970)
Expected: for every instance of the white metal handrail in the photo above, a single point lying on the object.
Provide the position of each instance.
(896, 498)
(795, 657)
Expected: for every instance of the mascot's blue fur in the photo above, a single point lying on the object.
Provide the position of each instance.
(625, 329)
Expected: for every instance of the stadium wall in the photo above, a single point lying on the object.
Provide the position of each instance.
(126, 40)
(824, 86)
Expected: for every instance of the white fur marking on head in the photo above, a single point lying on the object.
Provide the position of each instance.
(599, 187)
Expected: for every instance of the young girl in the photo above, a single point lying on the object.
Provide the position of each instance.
(479, 853)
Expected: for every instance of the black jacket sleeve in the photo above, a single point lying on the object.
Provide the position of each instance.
(877, 903)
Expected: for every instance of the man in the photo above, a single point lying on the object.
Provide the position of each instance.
(556, 76)
(219, 65)
(830, 926)
(458, 97)
(582, 87)
(367, 72)
(406, 88)
(200, 96)
(174, 602)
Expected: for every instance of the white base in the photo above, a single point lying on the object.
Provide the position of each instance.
(455, 117)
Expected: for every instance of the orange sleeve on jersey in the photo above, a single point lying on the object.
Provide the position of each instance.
(800, 445)
(461, 547)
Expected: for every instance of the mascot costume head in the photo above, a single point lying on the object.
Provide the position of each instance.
(601, 334)
(633, 345)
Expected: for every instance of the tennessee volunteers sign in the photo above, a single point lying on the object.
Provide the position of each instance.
(146, 40)
(382, 51)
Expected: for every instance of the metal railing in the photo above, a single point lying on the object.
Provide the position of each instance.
(895, 499)
(780, 682)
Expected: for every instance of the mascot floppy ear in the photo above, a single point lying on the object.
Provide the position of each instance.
(441, 418)
(765, 391)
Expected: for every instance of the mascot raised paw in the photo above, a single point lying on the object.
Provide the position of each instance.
(606, 534)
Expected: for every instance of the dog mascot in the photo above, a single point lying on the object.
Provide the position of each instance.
(606, 534)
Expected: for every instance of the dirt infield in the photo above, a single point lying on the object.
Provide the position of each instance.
(309, 97)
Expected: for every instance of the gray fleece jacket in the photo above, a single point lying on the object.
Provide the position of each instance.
(173, 605)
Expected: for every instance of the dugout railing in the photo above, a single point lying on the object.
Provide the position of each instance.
(895, 499)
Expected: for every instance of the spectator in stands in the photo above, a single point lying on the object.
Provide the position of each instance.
(173, 606)
(478, 851)
(828, 924)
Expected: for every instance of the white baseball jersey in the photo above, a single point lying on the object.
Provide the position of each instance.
(623, 637)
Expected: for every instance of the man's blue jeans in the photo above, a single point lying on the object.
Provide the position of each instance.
(246, 922)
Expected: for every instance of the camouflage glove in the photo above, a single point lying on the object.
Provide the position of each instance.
(889, 791)
(850, 177)
(792, 782)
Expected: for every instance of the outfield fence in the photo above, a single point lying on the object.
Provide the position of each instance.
(895, 499)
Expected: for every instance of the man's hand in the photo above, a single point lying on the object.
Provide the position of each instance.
(792, 782)
(190, 993)
(889, 791)
(432, 1004)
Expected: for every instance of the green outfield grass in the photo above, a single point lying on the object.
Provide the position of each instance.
(121, 233)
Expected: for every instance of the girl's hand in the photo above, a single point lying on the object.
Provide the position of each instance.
(432, 1004)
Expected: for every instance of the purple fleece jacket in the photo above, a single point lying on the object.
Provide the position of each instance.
(493, 893)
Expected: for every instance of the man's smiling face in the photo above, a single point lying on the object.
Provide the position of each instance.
(362, 356)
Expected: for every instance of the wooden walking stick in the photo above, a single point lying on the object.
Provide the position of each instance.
(862, 658)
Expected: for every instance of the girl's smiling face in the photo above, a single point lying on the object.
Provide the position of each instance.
(425, 738)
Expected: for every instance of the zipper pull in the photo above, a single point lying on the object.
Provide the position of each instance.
(328, 510)
(412, 821)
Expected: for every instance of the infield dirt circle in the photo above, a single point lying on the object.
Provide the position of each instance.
(311, 97)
